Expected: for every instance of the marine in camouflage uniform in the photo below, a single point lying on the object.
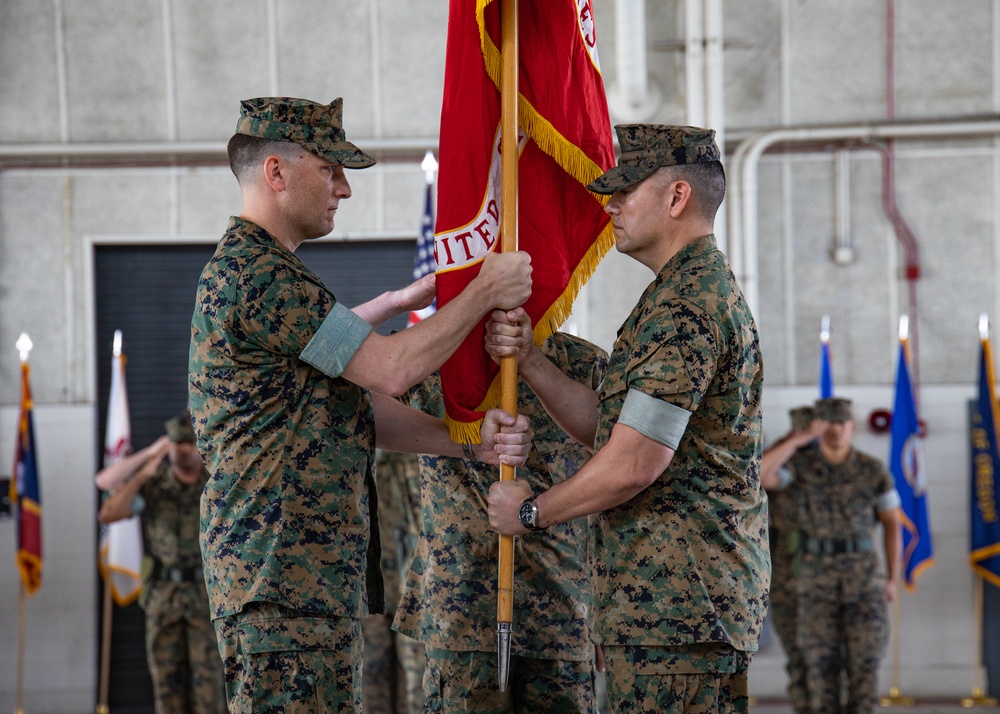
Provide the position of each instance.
(680, 552)
(285, 386)
(449, 600)
(181, 649)
(784, 540)
(839, 495)
(394, 663)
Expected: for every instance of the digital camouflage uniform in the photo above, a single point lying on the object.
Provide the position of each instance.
(681, 570)
(285, 515)
(291, 549)
(394, 663)
(450, 596)
(841, 612)
(181, 649)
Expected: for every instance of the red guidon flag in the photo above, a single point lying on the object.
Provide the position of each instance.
(565, 143)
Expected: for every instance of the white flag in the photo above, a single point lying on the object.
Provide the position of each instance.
(121, 542)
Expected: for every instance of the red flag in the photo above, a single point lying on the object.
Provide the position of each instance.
(25, 491)
(565, 144)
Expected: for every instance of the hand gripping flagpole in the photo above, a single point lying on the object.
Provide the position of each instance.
(508, 364)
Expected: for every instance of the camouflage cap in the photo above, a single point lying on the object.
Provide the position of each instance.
(179, 429)
(647, 147)
(318, 128)
(834, 409)
(801, 417)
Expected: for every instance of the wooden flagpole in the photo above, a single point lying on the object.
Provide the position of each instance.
(23, 346)
(896, 698)
(508, 365)
(19, 706)
(102, 697)
(979, 697)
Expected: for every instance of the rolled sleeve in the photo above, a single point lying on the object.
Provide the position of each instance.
(137, 505)
(888, 501)
(654, 418)
(336, 341)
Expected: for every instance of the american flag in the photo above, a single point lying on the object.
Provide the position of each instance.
(423, 261)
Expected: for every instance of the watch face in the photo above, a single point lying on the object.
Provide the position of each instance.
(527, 514)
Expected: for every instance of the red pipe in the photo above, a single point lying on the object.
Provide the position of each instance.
(905, 236)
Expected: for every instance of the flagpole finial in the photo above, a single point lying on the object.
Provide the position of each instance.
(904, 327)
(984, 326)
(24, 345)
(824, 330)
(429, 165)
(116, 348)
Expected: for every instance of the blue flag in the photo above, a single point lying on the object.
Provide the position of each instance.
(984, 555)
(906, 462)
(825, 371)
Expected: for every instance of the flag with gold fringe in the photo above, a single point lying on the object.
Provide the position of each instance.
(984, 552)
(26, 492)
(906, 463)
(565, 143)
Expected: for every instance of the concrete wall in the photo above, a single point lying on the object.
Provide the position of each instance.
(163, 71)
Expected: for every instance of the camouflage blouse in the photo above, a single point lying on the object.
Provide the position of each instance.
(686, 561)
(838, 500)
(290, 450)
(170, 517)
(450, 596)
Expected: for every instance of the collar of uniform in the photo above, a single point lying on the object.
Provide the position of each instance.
(848, 463)
(697, 247)
(252, 231)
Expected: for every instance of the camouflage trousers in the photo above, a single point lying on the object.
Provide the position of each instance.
(467, 682)
(783, 617)
(181, 651)
(783, 606)
(698, 679)
(393, 669)
(842, 636)
(280, 660)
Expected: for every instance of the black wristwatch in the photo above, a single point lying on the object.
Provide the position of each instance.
(528, 514)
